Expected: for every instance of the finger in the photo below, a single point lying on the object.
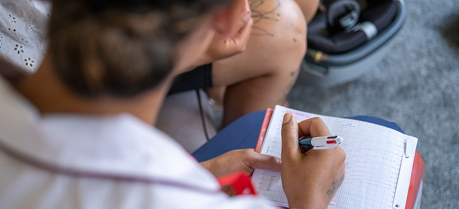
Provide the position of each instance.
(240, 41)
(245, 30)
(246, 22)
(246, 5)
(290, 147)
(243, 34)
(314, 127)
(305, 149)
(239, 12)
(229, 20)
(266, 162)
(246, 13)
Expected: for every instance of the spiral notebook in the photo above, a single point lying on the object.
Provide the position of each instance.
(379, 161)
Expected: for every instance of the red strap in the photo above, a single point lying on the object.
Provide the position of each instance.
(240, 182)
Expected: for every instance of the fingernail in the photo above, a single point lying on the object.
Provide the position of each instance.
(246, 16)
(279, 161)
(287, 118)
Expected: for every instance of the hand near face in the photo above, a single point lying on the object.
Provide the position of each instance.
(233, 36)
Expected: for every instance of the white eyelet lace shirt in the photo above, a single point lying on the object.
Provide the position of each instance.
(23, 32)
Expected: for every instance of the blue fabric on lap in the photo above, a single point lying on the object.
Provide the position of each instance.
(243, 133)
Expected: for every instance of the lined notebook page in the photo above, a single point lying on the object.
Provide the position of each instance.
(373, 160)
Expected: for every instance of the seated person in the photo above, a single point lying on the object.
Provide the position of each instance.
(262, 75)
(259, 77)
(77, 133)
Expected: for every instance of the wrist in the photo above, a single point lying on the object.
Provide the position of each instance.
(309, 201)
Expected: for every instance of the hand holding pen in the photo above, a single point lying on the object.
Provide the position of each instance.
(310, 179)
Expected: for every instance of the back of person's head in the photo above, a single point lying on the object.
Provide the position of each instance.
(120, 48)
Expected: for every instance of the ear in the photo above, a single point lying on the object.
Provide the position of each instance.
(228, 20)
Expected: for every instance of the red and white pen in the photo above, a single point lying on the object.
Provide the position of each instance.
(322, 142)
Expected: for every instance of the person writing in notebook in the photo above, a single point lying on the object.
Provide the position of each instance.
(77, 133)
(266, 70)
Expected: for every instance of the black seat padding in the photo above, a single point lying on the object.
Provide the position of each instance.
(378, 12)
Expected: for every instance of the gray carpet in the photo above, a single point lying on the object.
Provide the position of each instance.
(416, 86)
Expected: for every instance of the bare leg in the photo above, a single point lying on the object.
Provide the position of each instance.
(262, 76)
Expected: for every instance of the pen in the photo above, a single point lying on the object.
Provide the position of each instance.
(323, 142)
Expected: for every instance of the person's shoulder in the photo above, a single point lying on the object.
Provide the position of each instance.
(10, 72)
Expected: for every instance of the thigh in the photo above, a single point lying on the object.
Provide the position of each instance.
(241, 134)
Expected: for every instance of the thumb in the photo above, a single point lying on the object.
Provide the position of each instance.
(290, 147)
(265, 162)
(247, 14)
(229, 20)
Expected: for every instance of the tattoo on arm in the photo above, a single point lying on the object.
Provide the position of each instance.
(335, 185)
(259, 14)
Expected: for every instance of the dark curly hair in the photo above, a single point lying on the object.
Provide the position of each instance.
(119, 48)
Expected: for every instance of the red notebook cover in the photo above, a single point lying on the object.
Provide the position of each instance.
(264, 128)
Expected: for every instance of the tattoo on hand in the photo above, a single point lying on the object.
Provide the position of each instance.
(259, 15)
(335, 185)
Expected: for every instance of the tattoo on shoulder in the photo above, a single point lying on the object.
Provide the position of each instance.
(335, 185)
(259, 14)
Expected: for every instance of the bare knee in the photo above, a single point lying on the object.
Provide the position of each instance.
(279, 32)
(276, 46)
(308, 7)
